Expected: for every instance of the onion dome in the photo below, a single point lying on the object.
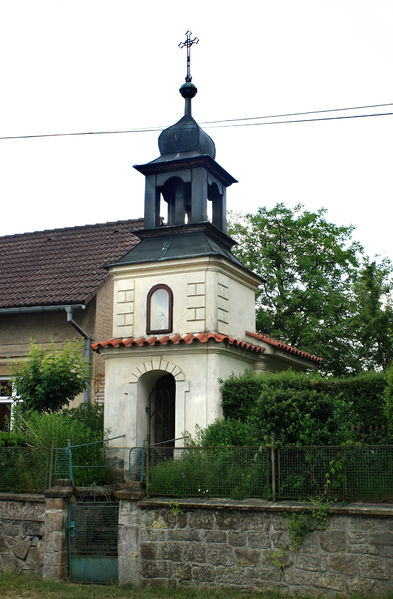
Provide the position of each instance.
(186, 138)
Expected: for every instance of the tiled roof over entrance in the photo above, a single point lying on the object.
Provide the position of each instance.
(177, 340)
(60, 266)
(285, 347)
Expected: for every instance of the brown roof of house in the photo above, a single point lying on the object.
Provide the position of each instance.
(177, 340)
(285, 347)
(60, 266)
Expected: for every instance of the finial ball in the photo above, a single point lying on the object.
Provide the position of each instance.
(188, 90)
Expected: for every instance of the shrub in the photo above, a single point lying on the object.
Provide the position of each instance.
(365, 391)
(305, 408)
(81, 425)
(388, 404)
(239, 394)
(13, 439)
(23, 469)
(294, 408)
(228, 432)
(50, 379)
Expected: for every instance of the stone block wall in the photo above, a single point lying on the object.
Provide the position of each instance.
(247, 548)
(21, 532)
(55, 557)
(33, 532)
(211, 543)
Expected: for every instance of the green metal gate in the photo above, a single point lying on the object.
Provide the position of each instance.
(92, 542)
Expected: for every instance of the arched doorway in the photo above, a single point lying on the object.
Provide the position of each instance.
(162, 410)
(141, 399)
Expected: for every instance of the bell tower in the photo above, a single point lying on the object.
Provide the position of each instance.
(185, 176)
(182, 276)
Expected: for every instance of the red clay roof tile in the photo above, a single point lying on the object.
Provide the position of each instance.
(285, 347)
(61, 266)
(177, 340)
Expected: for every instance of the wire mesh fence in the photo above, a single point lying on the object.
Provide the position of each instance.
(137, 463)
(96, 528)
(61, 466)
(378, 460)
(235, 472)
(360, 472)
(343, 473)
(308, 471)
(24, 469)
(85, 464)
(30, 469)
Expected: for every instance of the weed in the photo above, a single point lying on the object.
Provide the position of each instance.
(300, 524)
(176, 509)
(278, 557)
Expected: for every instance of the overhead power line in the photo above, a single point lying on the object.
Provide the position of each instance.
(324, 118)
(115, 132)
(276, 116)
(226, 122)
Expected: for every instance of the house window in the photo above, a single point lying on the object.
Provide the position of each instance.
(159, 310)
(7, 399)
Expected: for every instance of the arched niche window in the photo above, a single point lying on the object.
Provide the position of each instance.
(159, 310)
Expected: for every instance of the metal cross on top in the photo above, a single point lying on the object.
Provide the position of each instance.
(187, 44)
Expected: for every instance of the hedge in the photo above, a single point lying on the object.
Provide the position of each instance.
(301, 409)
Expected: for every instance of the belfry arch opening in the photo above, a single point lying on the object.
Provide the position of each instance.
(216, 206)
(177, 195)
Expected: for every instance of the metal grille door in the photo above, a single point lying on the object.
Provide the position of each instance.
(92, 542)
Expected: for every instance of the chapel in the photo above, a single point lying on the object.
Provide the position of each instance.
(184, 305)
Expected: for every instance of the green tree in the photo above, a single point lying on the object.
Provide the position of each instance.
(309, 296)
(50, 379)
(388, 395)
(373, 321)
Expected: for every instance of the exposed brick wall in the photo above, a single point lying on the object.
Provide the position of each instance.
(99, 388)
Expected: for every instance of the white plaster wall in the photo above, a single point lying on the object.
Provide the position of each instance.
(178, 284)
(209, 294)
(197, 369)
(235, 307)
(119, 409)
(123, 305)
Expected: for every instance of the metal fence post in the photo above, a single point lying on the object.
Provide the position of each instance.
(273, 459)
(69, 450)
(143, 461)
(147, 461)
(52, 451)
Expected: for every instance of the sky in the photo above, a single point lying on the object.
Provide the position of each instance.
(102, 65)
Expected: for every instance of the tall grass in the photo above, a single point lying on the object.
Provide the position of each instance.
(33, 431)
(335, 472)
(210, 472)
